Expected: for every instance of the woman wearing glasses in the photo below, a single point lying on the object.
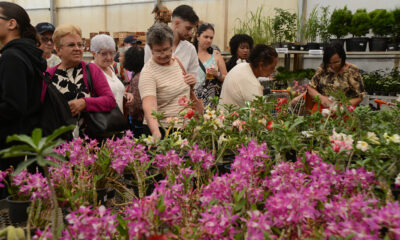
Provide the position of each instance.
(70, 77)
(103, 50)
(334, 75)
(162, 82)
(21, 69)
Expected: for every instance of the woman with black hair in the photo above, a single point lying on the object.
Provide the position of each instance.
(240, 45)
(21, 71)
(335, 74)
(212, 69)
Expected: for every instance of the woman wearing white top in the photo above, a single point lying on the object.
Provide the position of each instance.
(103, 50)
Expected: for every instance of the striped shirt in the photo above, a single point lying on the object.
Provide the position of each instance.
(166, 84)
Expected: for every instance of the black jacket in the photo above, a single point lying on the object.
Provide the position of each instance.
(21, 71)
(231, 63)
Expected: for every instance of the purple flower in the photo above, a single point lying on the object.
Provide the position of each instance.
(201, 156)
(218, 222)
(33, 185)
(170, 159)
(3, 175)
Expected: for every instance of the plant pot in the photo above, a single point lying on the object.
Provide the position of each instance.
(392, 47)
(291, 156)
(294, 47)
(337, 41)
(101, 195)
(378, 44)
(18, 210)
(356, 44)
(286, 45)
(303, 47)
(312, 46)
(322, 45)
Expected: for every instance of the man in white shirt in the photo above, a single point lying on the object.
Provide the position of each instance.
(184, 19)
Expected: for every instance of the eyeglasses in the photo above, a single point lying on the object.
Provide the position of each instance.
(107, 53)
(160, 53)
(46, 39)
(5, 18)
(72, 45)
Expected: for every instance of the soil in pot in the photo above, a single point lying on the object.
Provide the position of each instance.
(312, 46)
(18, 210)
(356, 44)
(337, 41)
(378, 44)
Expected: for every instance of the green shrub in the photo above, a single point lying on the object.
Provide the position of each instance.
(360, 23)
(395, 33)
(340, 22)
(284, 25)
(323, 24)
(381, 22)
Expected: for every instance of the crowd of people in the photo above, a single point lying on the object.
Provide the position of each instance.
(177, 60)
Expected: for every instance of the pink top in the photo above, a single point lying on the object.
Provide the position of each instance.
(103, 101)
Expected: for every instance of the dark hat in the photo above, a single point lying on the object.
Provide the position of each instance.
(45, 27)
(132, 39)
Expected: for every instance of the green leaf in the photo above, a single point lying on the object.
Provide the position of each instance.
(36, 136)
(122, 228)
(59, 131)
(23, 165)
(22, 138)
(160, 205)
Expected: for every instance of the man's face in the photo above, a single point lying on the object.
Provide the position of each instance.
(46, 42)
(184, 29)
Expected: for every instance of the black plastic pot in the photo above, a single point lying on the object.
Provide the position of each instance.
(101, 195)
(356, 44)
(286, 45)
(378, 44)
(392, 47)
(312, 46)
(303, 47)
(337, 41)
(294, 47)
(17, 210)
(322, 45)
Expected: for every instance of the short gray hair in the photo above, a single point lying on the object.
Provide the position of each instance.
(102, 41)
(158, 34)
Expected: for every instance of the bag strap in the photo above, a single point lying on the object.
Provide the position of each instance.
(180, 64)
(202, 66)
(89, 79)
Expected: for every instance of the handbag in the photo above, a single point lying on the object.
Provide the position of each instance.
(197, 106)
(103, 124)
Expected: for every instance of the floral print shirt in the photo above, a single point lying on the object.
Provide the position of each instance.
(350, 82)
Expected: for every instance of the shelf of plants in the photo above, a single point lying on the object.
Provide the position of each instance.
(258, 172)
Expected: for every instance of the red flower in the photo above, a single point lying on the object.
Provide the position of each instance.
(190, 113)
(351, 108)
(269, 125)
(158, 237)
(183, 101)
(281, 101)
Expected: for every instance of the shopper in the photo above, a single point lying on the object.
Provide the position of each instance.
(45, 31)
(103, 50)
(134, 62)
(184, 19)
(241, 46)
(21, 69)
(70, 77)
(129, 41)
(162, 82)
(212, 70)
(335, 74)
(241, 84)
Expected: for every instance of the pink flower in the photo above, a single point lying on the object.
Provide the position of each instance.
(183, 101)
(3, 175)
(239, 124)
(189, 114)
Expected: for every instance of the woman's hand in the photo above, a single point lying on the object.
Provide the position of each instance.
(213, 71)
(129, 98)
(190, 79)
(325, 101)
(77, 106)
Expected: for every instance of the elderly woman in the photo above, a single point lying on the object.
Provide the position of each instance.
(212, 70)
(162, 81)
(240, 45)
(70, 77)
(241, 84)
(334, 75)
(103, 50)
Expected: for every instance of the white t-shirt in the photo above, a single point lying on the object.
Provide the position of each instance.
(185, 51)
(53, 60)
(117, 88)
(240, 86)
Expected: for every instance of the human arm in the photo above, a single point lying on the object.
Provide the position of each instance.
(147, 53)
(325, 101)
(221, 66)
(129, 98)
(149, 104)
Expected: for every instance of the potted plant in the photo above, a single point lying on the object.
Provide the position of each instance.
(311, 29)
(284, 27)
(339, 25)
(394, 43)
(360, 24)
(323, 33)
(381, 22)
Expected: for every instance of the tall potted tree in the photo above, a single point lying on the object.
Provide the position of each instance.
(323, 33)
(381, 23)
(359, 27)
(339, 25)
(311, 29)
(284, 27)
(394, 42)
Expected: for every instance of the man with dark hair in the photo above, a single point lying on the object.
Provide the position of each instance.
(184, 19)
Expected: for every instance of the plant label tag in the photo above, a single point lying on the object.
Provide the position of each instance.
(315, 52)
(281, 50)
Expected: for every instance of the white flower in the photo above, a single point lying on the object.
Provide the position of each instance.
(397, 180)
(326, 112)
(395, 138)
(222, 139)
(307, 134)
(263, 121)
(398, 99)
(371, 136)
(209, 115)
(363, 146)
(149, 140)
